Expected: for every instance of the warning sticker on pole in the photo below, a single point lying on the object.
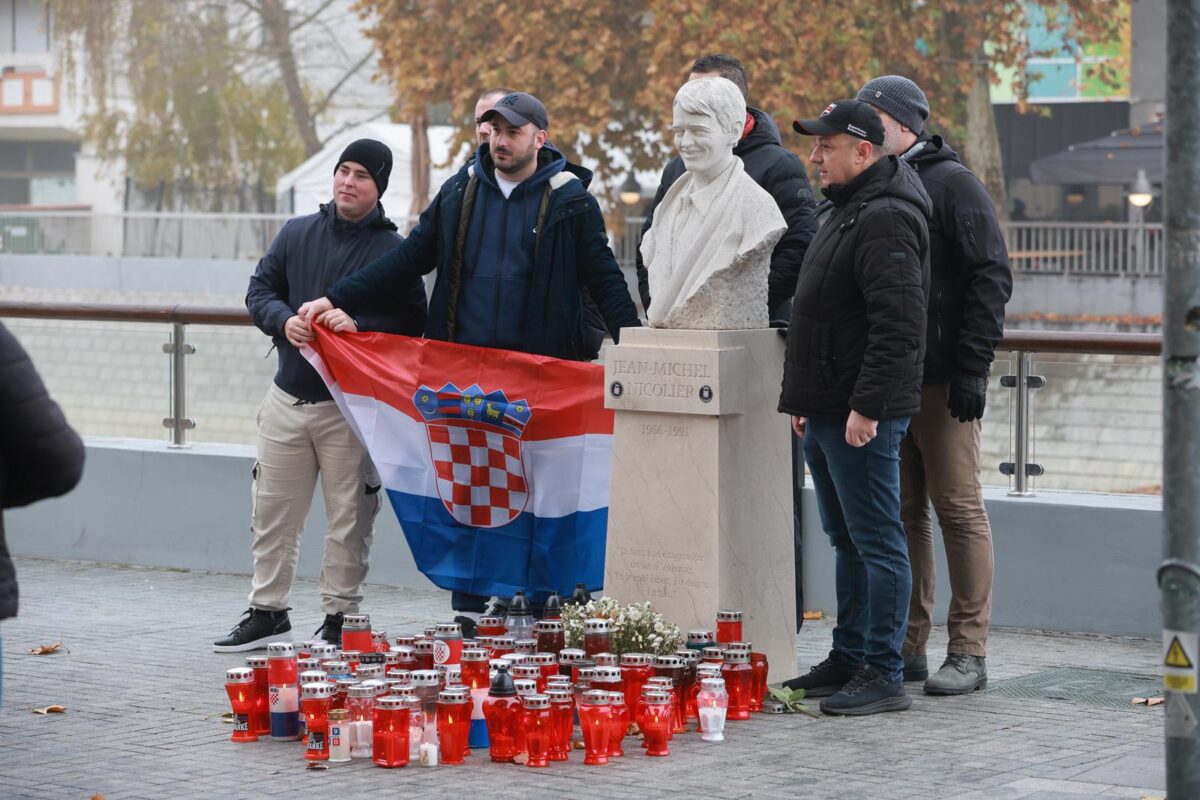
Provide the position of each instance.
(1180, 659)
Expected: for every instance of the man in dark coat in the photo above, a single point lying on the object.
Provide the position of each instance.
(515, 238)
(772, 167)
(852, 378)
(939, 458)
(301, 431)
(40, 455)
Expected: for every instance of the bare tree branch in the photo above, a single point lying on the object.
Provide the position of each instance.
(321, 106)
(320, 9)
(354, 124)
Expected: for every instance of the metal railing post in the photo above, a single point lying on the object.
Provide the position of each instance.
(179, 350)
(1020, 468)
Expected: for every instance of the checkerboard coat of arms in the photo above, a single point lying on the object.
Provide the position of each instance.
(477, 453)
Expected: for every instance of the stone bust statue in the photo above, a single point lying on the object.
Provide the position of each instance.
(709, 247)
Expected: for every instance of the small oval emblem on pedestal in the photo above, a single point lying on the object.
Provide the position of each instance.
(706, 393)
(616, 389)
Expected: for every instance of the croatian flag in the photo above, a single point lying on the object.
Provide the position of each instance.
(496, 463)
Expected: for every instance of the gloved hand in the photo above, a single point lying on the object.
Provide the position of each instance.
(968, 395)
(780, 316)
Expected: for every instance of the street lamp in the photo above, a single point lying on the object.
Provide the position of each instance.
(1141, 194)
(631, 190)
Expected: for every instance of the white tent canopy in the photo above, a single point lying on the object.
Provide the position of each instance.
(303, 189)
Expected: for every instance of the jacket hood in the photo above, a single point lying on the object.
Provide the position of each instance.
(765, 132)
(550, 162)
(929, 150)
(888, 177)
(377, 219)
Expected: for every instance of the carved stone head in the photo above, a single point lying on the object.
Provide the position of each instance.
(708, 118)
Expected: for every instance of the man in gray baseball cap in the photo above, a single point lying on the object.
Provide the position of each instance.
(939, 456)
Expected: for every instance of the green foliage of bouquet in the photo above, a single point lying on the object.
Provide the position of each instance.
(635, 628)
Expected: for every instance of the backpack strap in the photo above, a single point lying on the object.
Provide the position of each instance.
(460, 240)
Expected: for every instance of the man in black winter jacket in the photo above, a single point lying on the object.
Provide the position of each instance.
(852, 378)
(939, 458)
(772, 167)
(40, 455)
(301, 432)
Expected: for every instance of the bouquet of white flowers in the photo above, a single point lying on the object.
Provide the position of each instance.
(635, 628)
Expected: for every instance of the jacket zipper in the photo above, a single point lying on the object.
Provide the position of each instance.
(500, 277)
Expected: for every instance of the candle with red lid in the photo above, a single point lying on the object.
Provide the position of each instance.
(729, 627)
(738, 682)
(595, 719)
(260, 716)
(562, 711)
(284, 700)
(239, 685)
(315, 700)
(537, 724)
(453, 725)
(356, 633)
(447, 643)
(389, 747)
(597, 636)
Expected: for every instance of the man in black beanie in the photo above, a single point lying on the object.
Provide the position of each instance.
(301, 432)
(939, 456)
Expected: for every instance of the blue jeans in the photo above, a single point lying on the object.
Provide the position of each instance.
(858, 495)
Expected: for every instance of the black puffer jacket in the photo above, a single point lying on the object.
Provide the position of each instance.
(971, 279)
(857, 334)
(40, 456)
(781, 173)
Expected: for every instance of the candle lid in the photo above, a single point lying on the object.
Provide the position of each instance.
(636, 659)
(514, 659)
(548, 626)
(353, 656)
(256, 662)
(503, 642)
(605, 659)
(660, 681)
(668, 661)
(239, 675)
(412, 701)
(569, 655)
(490, 622)
(729, 616)
(391, 659)
(450, 673)
(448, 629)
(700, 635)
(405, 641)
(737, 657)
(423, 646)
(372, 658)
(535, 702)
(708, 670)
(376, 686)
(525, 645)
(324, 650)
(430, 630)
(379, 637)
(714, 652)
(317, 690)
(712, 684)
(361, 691)
(543, 659)
(558, 695)
(595, 697)
(656, 698)
(401, 689)
(336, 667)
(525, 686)
(526, 671)
(747, 646)
(606, 674)
(312, 676)
(391, 703)
(404, 651)
(344, 684)
(356, 622)
(595, 625)
(616, 698)
(280, 650)
(453, 696)
(689, 656)
(368, 671)
(424, 677)
(474, 654)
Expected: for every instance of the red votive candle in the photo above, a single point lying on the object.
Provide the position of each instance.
(595, 719)
(729, 627)
(389, 746)
(537, 722)
(315, 700)
(239, 685)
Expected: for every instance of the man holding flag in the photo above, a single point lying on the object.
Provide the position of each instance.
(516, 238)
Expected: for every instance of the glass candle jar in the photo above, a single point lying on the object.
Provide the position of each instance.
(360, 702)
(537, 723)
(389, 746)
(351, 657)
(260, 716)
(405, 640)
(423, 650)
(549, 635)
(595, 719)
(339, 735)
(503, 645)
(635, 670)
(713, 655)
(426, 684)
(700, 638)
(738, 682)
(547, 664)
(405, 657)
(729, 627)
(284, 700)
(416, 726)
(690, 659)
(447, 643)
(527, 672)
(663, 684)
(307, 664)
(315, 700)
(656, 722)
(713, 705)
(525, 646)
(673, 667)
(324, 651)
(379, 641)
(465, 694)
(369, 672)
(566, 661)
(356, 633)
(703, 670)
(606, 659)
(453, 725)
(490, 626)
(336, 670)
(597, 637)
(501, 710)
(620, 724)
(519, 621)
(758, 672)
(562, 710)
(607, 679)
(239, 685)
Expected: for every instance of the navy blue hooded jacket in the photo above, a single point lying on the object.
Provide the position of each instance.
(308, 254)
(508, 296)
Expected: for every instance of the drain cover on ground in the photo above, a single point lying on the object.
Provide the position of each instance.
(1090, 686)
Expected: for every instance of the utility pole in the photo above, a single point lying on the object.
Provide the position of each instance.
(1179, 575)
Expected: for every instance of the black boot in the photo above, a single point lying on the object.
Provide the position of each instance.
(331, 629)
(255, 630)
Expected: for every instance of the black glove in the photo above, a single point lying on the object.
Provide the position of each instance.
(780, 316)
(968, 395)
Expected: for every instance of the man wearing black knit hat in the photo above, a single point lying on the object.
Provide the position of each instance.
(939, 456)
(301, 432)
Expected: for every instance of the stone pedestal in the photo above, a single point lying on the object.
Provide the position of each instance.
(700, 516)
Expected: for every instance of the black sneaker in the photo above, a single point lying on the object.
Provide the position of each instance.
(331, 629)
(825, 678)
(254, 631)
(868, 692)
(468, 626)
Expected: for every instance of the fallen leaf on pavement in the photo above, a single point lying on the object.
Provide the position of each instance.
(47, 649)
(50, 710)
(1147, 701)
(97, 797)
(316, 765)
(814, 615)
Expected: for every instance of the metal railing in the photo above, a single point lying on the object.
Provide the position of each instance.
(1022, 345)
(1076, 248)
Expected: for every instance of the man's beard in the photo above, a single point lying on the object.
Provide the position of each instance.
(519, 162)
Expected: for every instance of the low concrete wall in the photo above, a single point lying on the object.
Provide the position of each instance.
(1065, 561)
(1093, 295)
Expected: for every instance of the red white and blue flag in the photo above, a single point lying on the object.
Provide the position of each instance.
(496, 463)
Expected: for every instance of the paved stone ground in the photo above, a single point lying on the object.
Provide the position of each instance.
(144, 696)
